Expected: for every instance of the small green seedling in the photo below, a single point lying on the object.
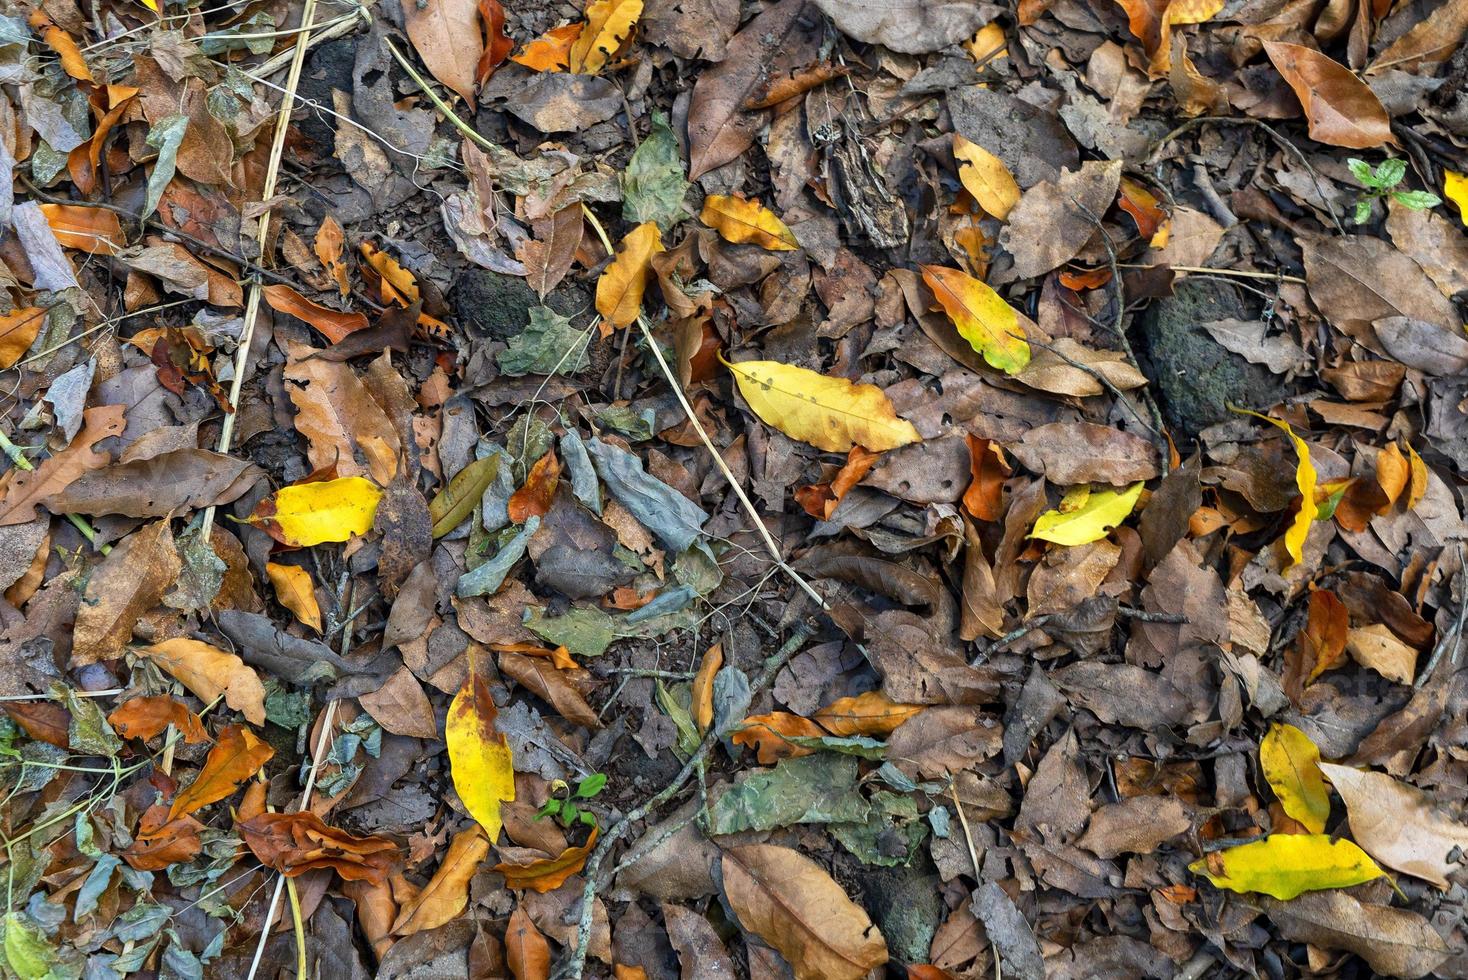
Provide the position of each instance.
(562, 803)
(1381, 182)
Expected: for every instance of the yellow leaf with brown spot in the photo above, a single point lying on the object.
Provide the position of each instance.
(985, 177)
(829, 413)
(620, 288)
(479, 756)
(746, 222)
(990, 325)
(294, 589)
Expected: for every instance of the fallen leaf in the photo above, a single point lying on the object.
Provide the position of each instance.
(1341, 110)
(525, 948)
(209, 672)
(45, 721)
(146, 717)
(620, 288)
(295, 843)
(236, 756)
(1286, 865)
(1072, 453)
(1377, 647)
(609, 24)
(909, 26)
(829, 413)
(447, 36)
(308, 514)
(63, 44)
(984, 498)
(401, 707)
(985, 177)
(788, 901)
(1291, 764)
(550, 873)
(534, 498)
(1399, 824)
(161, 842)
(129, 582)
(446, 895)
(1304, 481)
(97, 231)
(769, 735)
(702, 695)
(453, 504)
(170, 482)
(18, 330)
(26, 490)
(1102, 511)
(497, 45)
(343, 424)
(1054, 219)
(1393, 942)
(329, 244)
(747, 222)
(990, 325)
(334, 325)
(552, 50)
(296, 591)
(1151, 22)
(551, 684)
(872, 713)
(479, 756)
(1320, 645)
(820, 500)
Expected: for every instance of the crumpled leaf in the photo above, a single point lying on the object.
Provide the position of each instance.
(1286, 865)
(653, 185)
(747, 222)
(550, 873)
(985, 177)
(479, 756)
(1151, 22)
(990, 325)
(235, 757)
(620, 288)
(549, 345)
(1398, 824)
(1102, 511)
(307, 514)
(676, 520)
(909, 26)
(829, 413)
(768, 733)
(1291, 764)
(818, 789)
(294, 843)
(129, 582)
(149, 716)
(209, 672)
(447, 892)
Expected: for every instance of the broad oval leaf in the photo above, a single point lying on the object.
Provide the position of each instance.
(479, 756)
(209, 672)
(829, 413)
(1291, 764)
(1286, 865)
(1101, 512)
(620, 288)
(1399, 824)
(314, 513)
(1339, 108)
(747, 222)
(985, 177)
(981, 317)
(872, 713)
(295, 590)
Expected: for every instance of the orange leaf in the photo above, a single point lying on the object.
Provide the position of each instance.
(1417, 485)
(18, 331)
(447, 892)
(497, 46)
(1152, 21)
(1393, 472)
(294, 589)
(872, 713)
(1339, 108)
(550, 873)
(1142, 205)
(767, 734)
(335, 325)
(160, 842)
(559, 656)
(703, 687)
(145, 717)
(1085, 278)
(819, 500)
(236, 757)
(61, 42)
(1320, 646)
(534, 498)
(526, 949)
(552, 50)
(620, 288)
(294, 843)
(93, 230)
(747, 222)
(398, 284)
(984, 498)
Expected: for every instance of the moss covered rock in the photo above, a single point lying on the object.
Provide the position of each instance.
(492, 304)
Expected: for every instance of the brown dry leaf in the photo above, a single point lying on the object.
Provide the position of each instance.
(447, 36)
(97, 231)
(146, 717)
(26, 490)
(141, 485)
(1398, 824)
(872, 713)
(1340, 109)
(340, 418)
(1072, 453)
(534, 498)
(1066, 576)
(1135, 826)
(401, 706)
(549, 256)
(526, 949)
(791, 903)
(329, 245)
(334, 325)
(294, 843)
(446, 895)
(235, 757)
(1320, 645)
(295, 590)
(702, 707)
(160, 842)
(701, 952)
(942, 741)
(1393, 942)
(550, 873)
(1377, 647)
(129, 582)
(45, 721)
(551, 684)
(209, 672)
(768, 734)
(1054, 219)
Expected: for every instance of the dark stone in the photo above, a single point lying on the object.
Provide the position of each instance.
(492, 304)
(1196, 377)
(327, 67)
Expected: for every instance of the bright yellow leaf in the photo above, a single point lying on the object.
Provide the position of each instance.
(1101, 512)
(1455, 189)
(981, 316)
(294, 589)
(988, 45)
(742, 221)
(619, 290)
(1304, 482)
(1291, 763)
(1286, 865)
(312, 513)
(608, 24)
(479, 756)
(829, 413)
(985, 177)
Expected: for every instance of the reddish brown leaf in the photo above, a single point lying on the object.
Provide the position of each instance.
(534, 498)
(45, 721)
(1339, 108)
(526, 949)
(294, 843)
(335, 325)
(160, 842)
(1320, 646)
(551, 873)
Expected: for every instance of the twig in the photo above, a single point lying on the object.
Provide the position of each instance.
(1241, 273)
(332, 31)
(252, 302)
(667, 675)
(573, 967)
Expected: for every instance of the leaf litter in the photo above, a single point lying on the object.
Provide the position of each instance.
(802, 488)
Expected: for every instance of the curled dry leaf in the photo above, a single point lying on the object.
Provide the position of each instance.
(294, 843)
(872, 713)
(702, 707)
(551, 684)
(160, 842)
(1305, 479)
(146, 717)
(209, 672)
(552, 50)
(235, 757)
(819, 500)
(296, 591)
(550, 873)
(454, 503)
(447, 892)
(829, 413)
(747, 222)
(334, 325)
(769, 734)
(788, 901)
(1340, 108)
(1398, 824)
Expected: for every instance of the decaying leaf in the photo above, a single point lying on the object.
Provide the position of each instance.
(1394, 942)
(149, 716)
(447, 893)
(294, 843)
(236, 756)
(129, 582)
(981, 316)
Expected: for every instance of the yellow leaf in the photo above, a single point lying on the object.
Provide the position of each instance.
(1455, 189)
(1101, 512)
(619, 290)
(608, 24)
(981, 316)
(829, 413)
(985, 177)
(1417, 485)
(479, 756)
(209, 672)
(294, 589)
(1304, 482)
(1291, 763)
(311, 513)
(747, 222)
(1285, 865)
(987, 45)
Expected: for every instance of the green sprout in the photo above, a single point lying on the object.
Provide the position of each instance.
(562, 803)
(1381, 182)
